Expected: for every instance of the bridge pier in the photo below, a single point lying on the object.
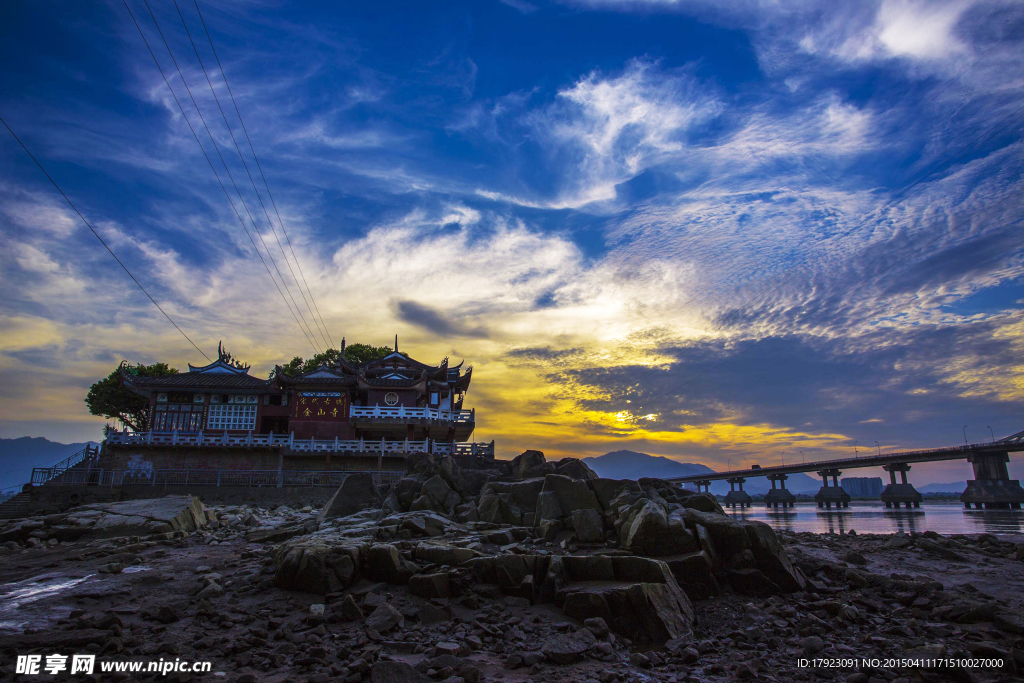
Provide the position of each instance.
(737, 497)
(903, 492)
(827, 495)
(779, 496)
(705, 484)
(992, 486)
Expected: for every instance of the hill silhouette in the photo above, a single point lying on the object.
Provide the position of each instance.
(633, 465)
(19, 456)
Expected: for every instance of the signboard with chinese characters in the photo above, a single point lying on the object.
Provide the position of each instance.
(321, 406)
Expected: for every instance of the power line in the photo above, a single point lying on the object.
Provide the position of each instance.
(97, 235)
(251, 181)
(260, 167)
(202, 118)
(213, 168)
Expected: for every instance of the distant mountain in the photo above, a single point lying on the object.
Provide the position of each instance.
(19, 456)
(951, 487)
(633, 465)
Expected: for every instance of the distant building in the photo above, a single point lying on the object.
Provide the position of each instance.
(862, 487)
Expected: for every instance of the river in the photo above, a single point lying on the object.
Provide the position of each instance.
(872, 517)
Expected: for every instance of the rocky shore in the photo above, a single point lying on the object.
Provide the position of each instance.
(532, 571)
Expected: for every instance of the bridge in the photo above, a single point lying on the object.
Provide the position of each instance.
(991, 487)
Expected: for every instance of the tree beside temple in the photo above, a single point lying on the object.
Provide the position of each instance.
(354, 354)
(108, 398)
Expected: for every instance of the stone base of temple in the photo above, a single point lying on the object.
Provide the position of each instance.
(832, 496)
(738, 499)
(896, 495)
(993, 494)
(779, 498)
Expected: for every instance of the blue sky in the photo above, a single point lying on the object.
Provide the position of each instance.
(702, 230)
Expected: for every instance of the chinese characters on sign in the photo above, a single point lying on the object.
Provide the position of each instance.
(320, 405)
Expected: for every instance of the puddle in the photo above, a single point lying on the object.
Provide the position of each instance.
(14, 596)
(131, 569)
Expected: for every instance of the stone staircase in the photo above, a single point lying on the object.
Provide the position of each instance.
(16, 506)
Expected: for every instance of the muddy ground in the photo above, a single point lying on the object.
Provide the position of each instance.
(211, 595)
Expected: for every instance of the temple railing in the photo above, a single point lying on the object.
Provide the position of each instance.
(406, 413)
(485, 450)
(199, 477)
(288, 441)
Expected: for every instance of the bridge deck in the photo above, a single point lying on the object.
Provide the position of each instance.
(932, 455)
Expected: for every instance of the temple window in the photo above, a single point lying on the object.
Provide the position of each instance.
(236, 412)
(391, 398)
(182, 417)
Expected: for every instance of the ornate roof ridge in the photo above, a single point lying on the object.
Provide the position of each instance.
(225, 363)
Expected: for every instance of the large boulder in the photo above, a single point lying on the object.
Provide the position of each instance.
(357, 492)
(131, 518)
(508, 502)
(771, 558)
(695, 574)
(746, 545)
(636, 596)
(437, 495)
(588, 525)
(531, 464)
(647, 530)
(652, 612)
(319, 563)
(572, 494)
(384, 563)
(568, 648)
(575, 468)
(607, 490)
(548, 507)
(495, 509)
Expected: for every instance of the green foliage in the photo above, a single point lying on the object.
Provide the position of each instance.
(354, 353)
(107, 398)
(364, 353)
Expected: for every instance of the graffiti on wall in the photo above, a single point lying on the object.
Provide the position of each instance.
(139, 468)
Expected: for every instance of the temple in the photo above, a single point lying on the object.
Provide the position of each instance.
(342, 416)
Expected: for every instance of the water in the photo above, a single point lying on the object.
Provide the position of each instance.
(15, 596)
(872, 517)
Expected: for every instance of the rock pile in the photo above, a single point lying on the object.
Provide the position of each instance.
(633, 554)
(420, 595)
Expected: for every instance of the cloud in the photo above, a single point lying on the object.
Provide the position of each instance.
(605, 129)
(649, 254)
(435, 321)
(520, 5)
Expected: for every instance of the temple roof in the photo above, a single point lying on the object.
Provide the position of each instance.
(396, 369)
(195, 380)
(225, 363)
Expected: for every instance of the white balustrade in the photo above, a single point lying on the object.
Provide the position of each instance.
(250, 440)
(406, 413)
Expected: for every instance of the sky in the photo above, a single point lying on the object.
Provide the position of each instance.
(718, 232)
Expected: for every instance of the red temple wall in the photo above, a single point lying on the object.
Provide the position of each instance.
(406, 397)
(192, 458)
